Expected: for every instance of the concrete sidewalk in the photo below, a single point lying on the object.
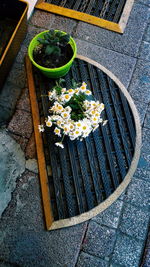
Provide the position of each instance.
(116, 237)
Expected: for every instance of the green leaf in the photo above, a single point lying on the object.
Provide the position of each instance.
(43, 41)
(49, 50)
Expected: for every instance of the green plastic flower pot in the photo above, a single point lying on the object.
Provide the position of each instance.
(51, 72)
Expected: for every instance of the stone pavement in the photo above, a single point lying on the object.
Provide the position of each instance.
(119, 235)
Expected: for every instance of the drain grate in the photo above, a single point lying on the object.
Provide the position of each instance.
(84, 174)
(110, 14)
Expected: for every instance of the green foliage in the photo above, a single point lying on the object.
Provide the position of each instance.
(53, 42)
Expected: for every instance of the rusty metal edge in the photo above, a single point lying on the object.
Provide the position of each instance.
(39, 146)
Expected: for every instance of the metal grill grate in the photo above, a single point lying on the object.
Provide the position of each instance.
(107, 9)
(86, 173)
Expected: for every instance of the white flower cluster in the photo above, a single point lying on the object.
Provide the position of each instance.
(61, 114)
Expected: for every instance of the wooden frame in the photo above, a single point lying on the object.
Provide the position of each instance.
(116, 27)
(50, 223)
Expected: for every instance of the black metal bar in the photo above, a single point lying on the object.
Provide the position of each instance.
(92, 74)
(120, 122)
(103, 87)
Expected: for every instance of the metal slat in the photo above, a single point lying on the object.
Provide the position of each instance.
(90, 151)
(103, 87)
(76, 178)
(129, 120)
(81, 149)
(90, 6)
(66, 181)
(104, 132)
(52, 151)
(120, 122)
(118, 12)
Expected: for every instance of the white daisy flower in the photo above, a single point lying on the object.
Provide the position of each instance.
(65, 115)
(41, 128)
(57, 131)
(88, 92)
(65, 97)
(70, 91)
(68, 109)
(49, 123)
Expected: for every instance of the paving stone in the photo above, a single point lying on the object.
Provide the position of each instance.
(140, 83)
(99, 240)
(127, 251)
(31, 148)
(134, 222)
(31, 165)
(142, 109)
(25, 240)
(22, 141)
(120, 65)
(146, 2)
(146, 257)
(143, 168)
(86, 260)
(12, 165)
(21, 124)
(6, 264)
(147, 118)
(42, 19)
(17, 75)
(127, 43)
(64, 24)
(146, 147)
(5, 115)
(110, 217)
(24, 101)
(144, 52)
(138, 193)
(9, 95)
(146, 36)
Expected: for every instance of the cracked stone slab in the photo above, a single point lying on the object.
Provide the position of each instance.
(21, 124)
(32, 165)
(120, 65)
(12, 165)
(127, 43)
(24, 101)
(25, 240)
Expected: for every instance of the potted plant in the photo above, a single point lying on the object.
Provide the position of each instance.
(52, 52)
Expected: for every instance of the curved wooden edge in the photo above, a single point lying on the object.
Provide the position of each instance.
(39, 146)
(51, 224)
(79, 16)
(105, 204)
